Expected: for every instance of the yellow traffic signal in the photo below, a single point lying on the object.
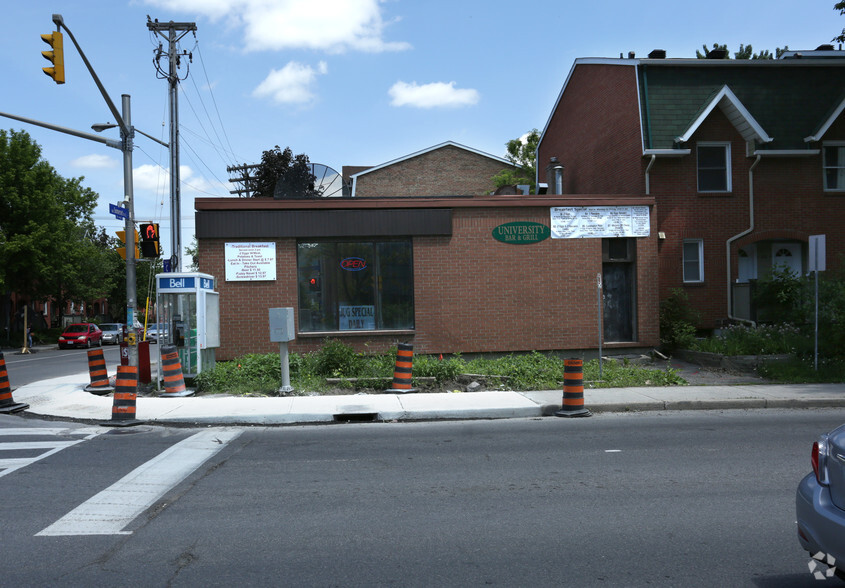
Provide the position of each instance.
(150, 246)
(122, 250)
(56, 57)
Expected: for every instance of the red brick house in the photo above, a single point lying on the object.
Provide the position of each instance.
(744, 160)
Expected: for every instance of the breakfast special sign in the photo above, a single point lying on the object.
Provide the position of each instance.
(250, 262)
(580, 222)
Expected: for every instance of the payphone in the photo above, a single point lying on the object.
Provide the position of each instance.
(188, 311)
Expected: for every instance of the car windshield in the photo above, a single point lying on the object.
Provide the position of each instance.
(77, 329)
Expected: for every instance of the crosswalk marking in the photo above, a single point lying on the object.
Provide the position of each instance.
(110, 511)
(11, 464)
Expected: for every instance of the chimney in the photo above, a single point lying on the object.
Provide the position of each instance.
(554, 175)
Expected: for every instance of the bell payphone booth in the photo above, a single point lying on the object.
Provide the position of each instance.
(188, 311)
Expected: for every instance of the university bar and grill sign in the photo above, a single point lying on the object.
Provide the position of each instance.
(521, 232)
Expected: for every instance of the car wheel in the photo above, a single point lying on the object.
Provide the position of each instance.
(87, 343)
(100, 343)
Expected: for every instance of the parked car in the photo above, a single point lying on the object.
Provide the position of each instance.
(81, 335)
(112, 333)
(155, 331)
(820, 503)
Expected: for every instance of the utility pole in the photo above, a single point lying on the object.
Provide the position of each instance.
(173, 30)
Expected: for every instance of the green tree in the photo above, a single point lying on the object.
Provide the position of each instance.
(745, 52)
(46, 224)
(522, 152)
(840, 6)
(193, 251)
(283, 175)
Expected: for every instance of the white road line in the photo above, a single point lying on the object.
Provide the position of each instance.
(114, 508)
(9, 465)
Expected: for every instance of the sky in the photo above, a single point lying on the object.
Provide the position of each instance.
(346, 82)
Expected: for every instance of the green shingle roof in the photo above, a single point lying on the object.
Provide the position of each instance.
(790, 99)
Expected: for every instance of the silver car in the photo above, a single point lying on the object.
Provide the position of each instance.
(112, 333)
(820, 504)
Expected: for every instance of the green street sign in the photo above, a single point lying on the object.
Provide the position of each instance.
(521, 233)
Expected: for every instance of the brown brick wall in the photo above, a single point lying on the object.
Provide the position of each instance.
(473, 294)
(594, 133)
(447, 171)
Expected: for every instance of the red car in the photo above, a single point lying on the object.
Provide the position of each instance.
(81, 335)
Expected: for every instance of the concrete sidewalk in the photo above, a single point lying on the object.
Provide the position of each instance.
(65, 398)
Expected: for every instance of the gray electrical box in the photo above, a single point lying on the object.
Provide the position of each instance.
(282, 328)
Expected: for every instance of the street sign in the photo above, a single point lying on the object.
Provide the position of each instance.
(816, 257)
(118, 212)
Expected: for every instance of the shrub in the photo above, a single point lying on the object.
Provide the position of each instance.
(337, 360)
(782, 297)
(759, 340)
(677, 320)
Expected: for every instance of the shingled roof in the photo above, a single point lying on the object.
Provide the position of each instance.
(780, 102)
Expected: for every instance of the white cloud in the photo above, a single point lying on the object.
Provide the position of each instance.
(326, 25)
(434, 95)
(156, 179)
(293, 84)
(94, 161)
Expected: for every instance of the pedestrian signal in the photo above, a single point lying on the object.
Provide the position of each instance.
(150, 245)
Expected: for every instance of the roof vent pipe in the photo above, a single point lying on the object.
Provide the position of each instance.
(554, 175)
(631, 55)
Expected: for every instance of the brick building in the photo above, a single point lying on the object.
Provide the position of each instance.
(745, 160)
(448, 168)
(436, 271)
(422, 254)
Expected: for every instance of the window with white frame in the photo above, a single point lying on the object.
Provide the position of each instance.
(834, 166)
(693, 260)
(714, 167)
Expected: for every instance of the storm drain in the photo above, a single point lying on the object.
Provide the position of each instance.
(355, 414)
(356, 417)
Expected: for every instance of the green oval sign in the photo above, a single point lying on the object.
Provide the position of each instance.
(521, 233)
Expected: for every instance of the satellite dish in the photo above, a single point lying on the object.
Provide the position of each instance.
(328, 182)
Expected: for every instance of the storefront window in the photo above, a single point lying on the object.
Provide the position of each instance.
(355, 286)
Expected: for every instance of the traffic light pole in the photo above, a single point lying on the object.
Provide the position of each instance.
(126, 145)
(128, 188)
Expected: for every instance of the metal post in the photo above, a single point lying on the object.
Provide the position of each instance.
(816, 354)
(601, 324)
(285, 364)
(129, 191)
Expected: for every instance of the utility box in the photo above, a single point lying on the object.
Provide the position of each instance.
(282, 328)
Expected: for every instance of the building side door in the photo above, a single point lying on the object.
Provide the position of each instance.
(619, 291)
(787, 255)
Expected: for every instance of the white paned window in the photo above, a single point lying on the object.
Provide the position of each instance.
(693, 260)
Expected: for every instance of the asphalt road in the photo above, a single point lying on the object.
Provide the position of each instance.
(698, 498)
(52, 362)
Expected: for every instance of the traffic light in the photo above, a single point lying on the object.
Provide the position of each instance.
(122, 250)
(56, 57)
(150, 246)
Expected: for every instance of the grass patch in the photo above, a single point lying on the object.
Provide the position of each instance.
(261, 374)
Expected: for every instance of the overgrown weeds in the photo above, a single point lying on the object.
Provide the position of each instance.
(261, 374)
